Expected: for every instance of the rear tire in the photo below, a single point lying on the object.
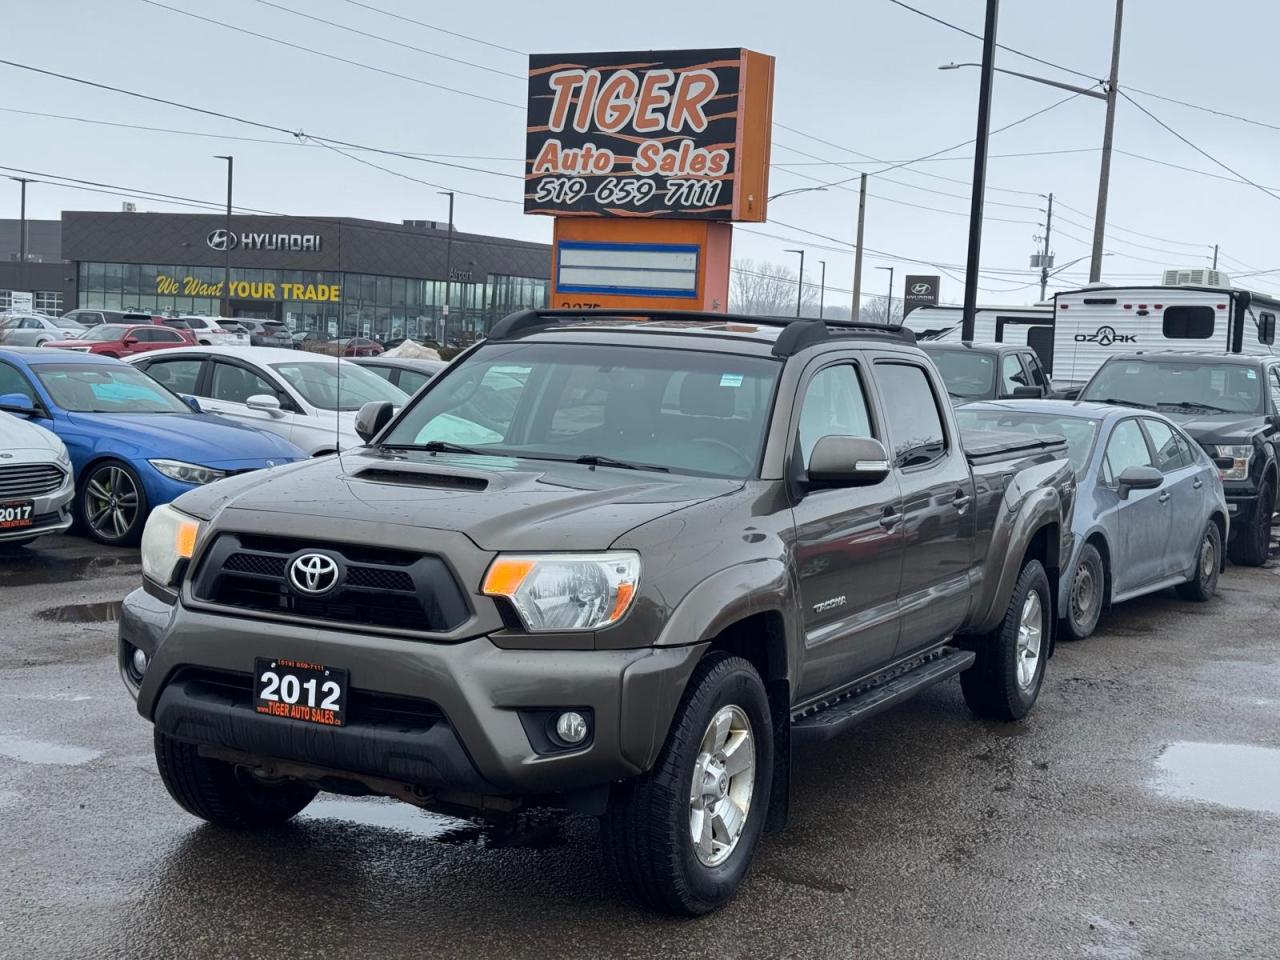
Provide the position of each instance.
(1252, 545)
(1204, 582)
(648, 829)
(1005, 680)
(223, 793)
(1086, 595)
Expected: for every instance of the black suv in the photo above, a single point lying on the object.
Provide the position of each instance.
(1230, 405)
(988, 371)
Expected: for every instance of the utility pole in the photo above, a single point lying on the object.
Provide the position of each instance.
(857, 254)
(979, 172)
(448, 269)
(822, 290)
(226, 262)
(1104, 176)
(1044, 257)
(1215, 257)
(800, 281)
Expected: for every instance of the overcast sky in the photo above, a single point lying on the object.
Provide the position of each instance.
(860, 74)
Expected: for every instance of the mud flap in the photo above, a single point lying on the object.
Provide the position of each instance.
(780, 793)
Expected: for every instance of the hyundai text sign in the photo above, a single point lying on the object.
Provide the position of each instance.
(668, 134)
(919, 291)
(221, 239)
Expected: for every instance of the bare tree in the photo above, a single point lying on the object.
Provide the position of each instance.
(768, 289)
(881, 311)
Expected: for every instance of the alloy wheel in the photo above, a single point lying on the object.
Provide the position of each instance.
(110, 502)
(1208, 558)
(1030, 637)
(723, 780)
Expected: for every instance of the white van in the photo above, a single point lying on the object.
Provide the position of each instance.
(1022, 326)
(1098, 322)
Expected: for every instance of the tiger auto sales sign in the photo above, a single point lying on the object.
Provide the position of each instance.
(680, 134)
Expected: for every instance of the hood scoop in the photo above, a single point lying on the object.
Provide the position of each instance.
(421, 478)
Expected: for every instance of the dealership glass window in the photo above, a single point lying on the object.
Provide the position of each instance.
(47, 301)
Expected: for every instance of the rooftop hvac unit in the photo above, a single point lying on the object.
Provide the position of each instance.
(128, 206)
(1198, 277)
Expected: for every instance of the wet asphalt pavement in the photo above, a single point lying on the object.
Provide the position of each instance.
(1135, 814)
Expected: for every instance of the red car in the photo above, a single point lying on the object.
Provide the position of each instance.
(120, 340)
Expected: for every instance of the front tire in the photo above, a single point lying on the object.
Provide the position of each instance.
(1252, 545)
(680, 838)
(1005, 680)
(1204, 582)
(112, 503)
(223, 793)
(1086, 595)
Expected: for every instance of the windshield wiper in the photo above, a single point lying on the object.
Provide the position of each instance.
(1193, 405)
(1122, 403)
(596, 460)
(439, 446)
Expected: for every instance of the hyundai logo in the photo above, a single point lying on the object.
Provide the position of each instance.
(921, 289)
(313, 573)
(217, 240)
(1105, 336)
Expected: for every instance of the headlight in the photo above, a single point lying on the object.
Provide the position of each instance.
(1240, 456)
(187, 472)
(565, 591)
(168, 538)
(64, 458)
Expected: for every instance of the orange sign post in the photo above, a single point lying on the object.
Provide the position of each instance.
(645, 159)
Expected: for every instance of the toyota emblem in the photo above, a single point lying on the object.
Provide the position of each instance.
(218, 239)
(313, 573)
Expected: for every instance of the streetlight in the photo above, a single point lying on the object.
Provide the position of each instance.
(888, 307)
(1108, 131)
(792, 192)
(226, 262)
(448, 268)
(800, 282)
(822, 290)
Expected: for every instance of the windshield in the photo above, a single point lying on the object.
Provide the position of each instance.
(1078, 431)
(1186, 386)
(104, 331)
(103, 388)
(319, 385)
(966, 374)
(676, 410)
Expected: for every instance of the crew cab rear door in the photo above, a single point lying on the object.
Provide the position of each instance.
(848, 543)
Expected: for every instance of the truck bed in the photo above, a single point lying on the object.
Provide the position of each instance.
(992, 446)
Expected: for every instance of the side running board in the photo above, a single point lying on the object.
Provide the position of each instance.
(835, 716)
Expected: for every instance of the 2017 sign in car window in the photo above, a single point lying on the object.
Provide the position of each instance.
(676, 134)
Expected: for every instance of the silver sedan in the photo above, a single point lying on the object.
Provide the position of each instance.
(36, 481)
(36, 329)
(1149, 514)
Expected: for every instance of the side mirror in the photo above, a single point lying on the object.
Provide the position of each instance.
(18, 403)
(191, 402)
(1027, 393)
(847, 462)
(264, 402)
(1139, 478)
(130, 341)
(372, 417)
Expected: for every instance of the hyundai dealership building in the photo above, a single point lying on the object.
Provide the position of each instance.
(338, 275)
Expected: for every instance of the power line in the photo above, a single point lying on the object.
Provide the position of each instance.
(135, 192)
(1114, 226)
(1204, 247)
(1204, 109)
(396, 43)
(431, 26)
(334, 56)
(1179, 166)
(1204, 153)
(990, 156)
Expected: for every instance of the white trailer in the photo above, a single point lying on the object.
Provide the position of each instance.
(1023, 326)
(1098, 322)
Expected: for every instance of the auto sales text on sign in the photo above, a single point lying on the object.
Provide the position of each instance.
(675, 134)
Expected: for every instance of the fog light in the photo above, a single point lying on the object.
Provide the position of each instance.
(139, 662)
(571, 727)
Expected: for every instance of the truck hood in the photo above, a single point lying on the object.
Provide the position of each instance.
(1218, 427)
(500, 503)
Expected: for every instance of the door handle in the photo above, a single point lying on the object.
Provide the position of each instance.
(890, 519)
(1198, 483)
(1164, 497)
(961, 500)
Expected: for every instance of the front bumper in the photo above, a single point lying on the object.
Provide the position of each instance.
(468, 735)
(53, 513)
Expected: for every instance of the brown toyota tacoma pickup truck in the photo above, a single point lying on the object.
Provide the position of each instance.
(616, 563)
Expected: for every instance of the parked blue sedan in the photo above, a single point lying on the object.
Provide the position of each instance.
(133, 444)
(1149, 513)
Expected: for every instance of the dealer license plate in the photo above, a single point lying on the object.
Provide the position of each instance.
(297, 690)
(17, 514)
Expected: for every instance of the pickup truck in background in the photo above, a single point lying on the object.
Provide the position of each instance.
(617, 562)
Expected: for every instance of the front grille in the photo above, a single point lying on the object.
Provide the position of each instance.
(29, 480)
(377, 587)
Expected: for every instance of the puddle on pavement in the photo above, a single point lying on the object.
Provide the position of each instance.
(535, 830)
(107, 611)
(27, 569)
(1238, 775)
(37, 751)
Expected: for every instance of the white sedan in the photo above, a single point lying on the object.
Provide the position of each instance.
(36, 482)
(36, 329)
(309, 399)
